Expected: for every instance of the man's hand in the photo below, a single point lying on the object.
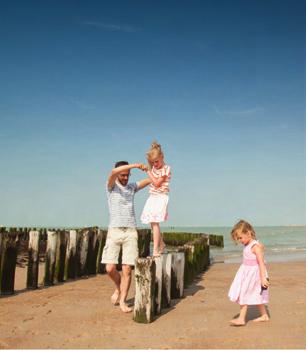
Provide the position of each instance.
(143, 167)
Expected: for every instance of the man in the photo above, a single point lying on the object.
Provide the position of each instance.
(122, 229)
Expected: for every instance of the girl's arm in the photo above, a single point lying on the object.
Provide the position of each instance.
(258, 251)
(156, 182)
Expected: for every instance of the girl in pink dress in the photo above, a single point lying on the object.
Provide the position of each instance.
(250, 285)
(156, 207)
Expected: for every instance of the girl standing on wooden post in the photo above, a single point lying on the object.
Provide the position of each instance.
(156, 207)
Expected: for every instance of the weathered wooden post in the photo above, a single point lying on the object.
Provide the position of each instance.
(61, 249)
(71, 259)
(2, 230)
(166, 283)
(33, 263)
(82, 249)
(144, 290)
(190, 270)
(100, 268)
(144, 240)
(50, 258)
(177, 275)
(9, 243)
(93, 246)
(158, 284)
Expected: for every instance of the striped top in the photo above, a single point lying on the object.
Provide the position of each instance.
(158, 173)
(121, 204)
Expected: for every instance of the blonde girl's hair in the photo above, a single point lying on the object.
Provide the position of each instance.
(242, 227)
(154, 152)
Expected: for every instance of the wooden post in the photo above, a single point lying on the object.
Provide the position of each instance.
(144, 290)
(144, 240)
(100, 268)
(82, 249)
(177, 275)
(50, 258)
(71, 259)
(61, 249)
(2, 230)
(33, 264)
(166, 283)
(8, 261)
(158, 284)
(93, 247)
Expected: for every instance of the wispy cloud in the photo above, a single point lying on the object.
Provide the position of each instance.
(81, 104)
(110, 27)
(239, 112)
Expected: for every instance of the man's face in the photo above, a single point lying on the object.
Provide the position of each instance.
(123, 177)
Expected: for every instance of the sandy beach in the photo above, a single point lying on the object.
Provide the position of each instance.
(78, 314)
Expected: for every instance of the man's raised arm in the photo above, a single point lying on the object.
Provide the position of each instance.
(116, 171)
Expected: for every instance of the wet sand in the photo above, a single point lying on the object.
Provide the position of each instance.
(78, 314)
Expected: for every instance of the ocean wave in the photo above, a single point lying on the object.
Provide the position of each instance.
(287, 249)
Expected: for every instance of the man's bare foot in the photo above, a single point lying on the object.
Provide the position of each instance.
(125, 308)
(115, 297)
(237, 322)
(263, 318)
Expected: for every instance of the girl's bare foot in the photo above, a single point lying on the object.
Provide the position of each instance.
(263, 318)
(155, 253)
(162, 248)
(124, 307)
(237, 322)
(115, 297)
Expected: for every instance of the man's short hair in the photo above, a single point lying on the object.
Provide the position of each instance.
(121, 162)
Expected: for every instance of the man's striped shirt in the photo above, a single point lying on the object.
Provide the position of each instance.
(121, 204)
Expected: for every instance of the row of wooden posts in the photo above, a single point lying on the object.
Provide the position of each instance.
(70, 254)
(73, 253)
(160, 279)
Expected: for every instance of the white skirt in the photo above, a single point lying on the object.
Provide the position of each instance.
(155, 209)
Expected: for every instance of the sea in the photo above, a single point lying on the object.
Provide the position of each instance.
(282, 243)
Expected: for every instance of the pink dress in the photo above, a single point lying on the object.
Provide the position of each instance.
(246, 287)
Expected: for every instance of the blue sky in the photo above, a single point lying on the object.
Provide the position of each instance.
(220, 84)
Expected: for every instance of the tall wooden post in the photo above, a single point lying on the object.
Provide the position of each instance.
(100, 268)
(71, 259)
(166, 283)
(9, 243)
(144, 290)
(82, 249)
(158, 284)
(93, 247)
(50, 258)
(177, 275)
(33, 264)
(61, 249)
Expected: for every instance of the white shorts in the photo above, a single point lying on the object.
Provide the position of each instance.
(155, 209)
(117, 237)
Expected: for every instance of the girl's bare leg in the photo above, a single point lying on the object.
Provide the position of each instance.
(162, 245)
(264, 315)
(156, 238)
(240, 321)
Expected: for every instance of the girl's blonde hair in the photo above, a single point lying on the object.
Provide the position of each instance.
(154, 152)
(242, 227)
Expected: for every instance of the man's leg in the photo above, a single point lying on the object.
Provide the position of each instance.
(115, 276)
(124, 287)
